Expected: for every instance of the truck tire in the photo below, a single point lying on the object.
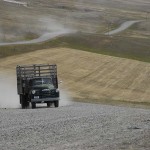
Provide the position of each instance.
(27, 104)
(26, 101)
(56, 103)
(33, 105)
(48, 104)
(22, 101)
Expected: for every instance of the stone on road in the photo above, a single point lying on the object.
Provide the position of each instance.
(77, 126)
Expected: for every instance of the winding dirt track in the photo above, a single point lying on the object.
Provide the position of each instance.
(42, 38)
(122, 27)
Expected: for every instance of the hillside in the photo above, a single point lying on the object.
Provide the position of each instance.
(88, 76)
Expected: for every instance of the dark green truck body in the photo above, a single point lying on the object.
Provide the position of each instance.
(37, 84)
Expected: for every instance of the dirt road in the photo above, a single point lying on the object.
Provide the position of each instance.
(42, 38)
(122, 27)
(77, 126)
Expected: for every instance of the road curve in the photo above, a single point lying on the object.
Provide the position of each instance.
(122, 27)
(42, 38)
(77, 126)
(16, 2)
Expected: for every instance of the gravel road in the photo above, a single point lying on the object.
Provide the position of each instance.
(77, 126)
(123, 27)
(42, 38)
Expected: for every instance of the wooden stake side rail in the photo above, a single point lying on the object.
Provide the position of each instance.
(36, 70)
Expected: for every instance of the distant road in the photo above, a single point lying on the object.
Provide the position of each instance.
(16, 2)
(42, 38)
(123, 27)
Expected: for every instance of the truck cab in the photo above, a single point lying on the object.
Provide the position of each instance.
(43, 90)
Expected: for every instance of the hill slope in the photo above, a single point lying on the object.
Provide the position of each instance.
(90, 76)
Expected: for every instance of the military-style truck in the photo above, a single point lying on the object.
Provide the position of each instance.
(37, 83)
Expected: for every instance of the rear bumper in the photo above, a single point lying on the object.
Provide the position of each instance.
(44, 100)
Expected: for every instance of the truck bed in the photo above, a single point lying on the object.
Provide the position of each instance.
(37, 70)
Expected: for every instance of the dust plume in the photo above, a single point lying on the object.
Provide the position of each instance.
(46, 29)
(8, 96)
(65, 98)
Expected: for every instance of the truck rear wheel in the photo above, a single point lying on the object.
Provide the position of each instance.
(56, 103)
(33, 105)
(27, 104)
(23, 106)
(48, 104)
(22, 101)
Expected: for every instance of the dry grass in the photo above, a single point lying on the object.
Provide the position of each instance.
(90, 76)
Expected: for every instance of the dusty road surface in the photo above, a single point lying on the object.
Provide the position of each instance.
(78, 126)
(122, 27)
(42, 38)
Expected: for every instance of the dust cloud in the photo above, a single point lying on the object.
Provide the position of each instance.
(10, 99)
(65, 98)
(48, 28)
(8, 89)
(48, 24)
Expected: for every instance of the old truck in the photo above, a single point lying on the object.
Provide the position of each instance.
(37, 83)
